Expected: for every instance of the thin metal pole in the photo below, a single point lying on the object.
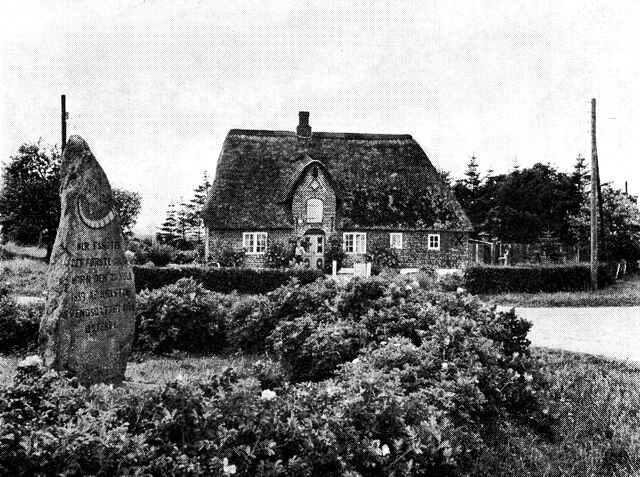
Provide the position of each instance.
(594, 200)
(64, 123)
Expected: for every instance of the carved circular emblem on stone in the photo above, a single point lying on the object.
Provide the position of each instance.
(95, 214)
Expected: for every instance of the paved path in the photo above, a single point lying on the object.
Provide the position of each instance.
(608, 331)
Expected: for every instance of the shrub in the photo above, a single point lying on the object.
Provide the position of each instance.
(250, 320)
(451, 282)
(185, 256)
(223, 280)
(278, 255)
(333, 251)
(382, 257)
(224, 254)
(19, 324)
(183, 316)
(313, 345)
(315, 331)
(53, 426)
(140, 251)
(161, 255)
(421, 382)
(534, 279)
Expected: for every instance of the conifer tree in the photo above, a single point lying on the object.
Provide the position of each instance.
(168, 233)
(581, 177)
(195, 207)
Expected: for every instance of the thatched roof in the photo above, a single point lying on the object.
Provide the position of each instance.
(258, 170)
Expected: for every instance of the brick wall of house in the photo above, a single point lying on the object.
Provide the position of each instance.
(415, 253)
(233, 238)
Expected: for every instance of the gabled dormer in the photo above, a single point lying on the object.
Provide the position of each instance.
(313, 196)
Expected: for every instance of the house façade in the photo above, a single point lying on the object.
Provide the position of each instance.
(369, 190)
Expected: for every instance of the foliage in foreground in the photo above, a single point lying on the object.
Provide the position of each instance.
(593, 404)
(376, 379)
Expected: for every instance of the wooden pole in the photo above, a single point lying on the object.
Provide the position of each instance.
(64, 123)
(594, 200)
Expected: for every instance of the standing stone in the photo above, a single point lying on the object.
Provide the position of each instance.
(88, 325)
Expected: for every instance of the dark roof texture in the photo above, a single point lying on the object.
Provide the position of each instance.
(257, 169)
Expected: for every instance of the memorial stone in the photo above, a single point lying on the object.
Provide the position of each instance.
(88, 325)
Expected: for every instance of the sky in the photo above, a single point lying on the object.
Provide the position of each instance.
(155, 85)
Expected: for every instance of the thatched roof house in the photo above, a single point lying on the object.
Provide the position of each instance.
(277, 185)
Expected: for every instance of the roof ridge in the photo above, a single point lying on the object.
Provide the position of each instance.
(318, 134)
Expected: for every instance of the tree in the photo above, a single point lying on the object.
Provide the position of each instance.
(518, 206)
(468, 191)
(581, 177)
(196, 205)
(128, 205)
(29, 200)
(621, 224)
(183, 227)
(529, 201)
(30, 197)
(169, 232)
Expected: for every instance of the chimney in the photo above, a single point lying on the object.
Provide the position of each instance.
(304, 130)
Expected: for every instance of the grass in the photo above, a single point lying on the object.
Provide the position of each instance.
(625, 292)
(158, 371)
(7, 369)
(595, 402)
(25, 276)
(163, 370)
(13, 249)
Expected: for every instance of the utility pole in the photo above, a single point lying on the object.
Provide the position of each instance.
(594, 199)
(64, 123)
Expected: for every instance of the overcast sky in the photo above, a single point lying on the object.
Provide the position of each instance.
(155, 85)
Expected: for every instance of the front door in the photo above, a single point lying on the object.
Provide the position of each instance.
(315, 251)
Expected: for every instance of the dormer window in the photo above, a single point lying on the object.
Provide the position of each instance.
(314, 211)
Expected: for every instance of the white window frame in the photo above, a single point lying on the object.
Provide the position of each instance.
(354, 242)
(398, 243)
(250, 242)
(437, 238)
(318, 202)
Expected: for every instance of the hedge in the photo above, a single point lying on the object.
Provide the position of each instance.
(222, 280)
(534, 279)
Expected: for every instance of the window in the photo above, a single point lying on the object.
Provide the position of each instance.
(355, 242)
(320, 244)
(433, 241)
(254, 242)
(395, 240)
(314, 211)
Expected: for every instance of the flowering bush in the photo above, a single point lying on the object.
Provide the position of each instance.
(333, 251)
(382, 257)
(374, 378)
(278, 255)
(183, 316)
